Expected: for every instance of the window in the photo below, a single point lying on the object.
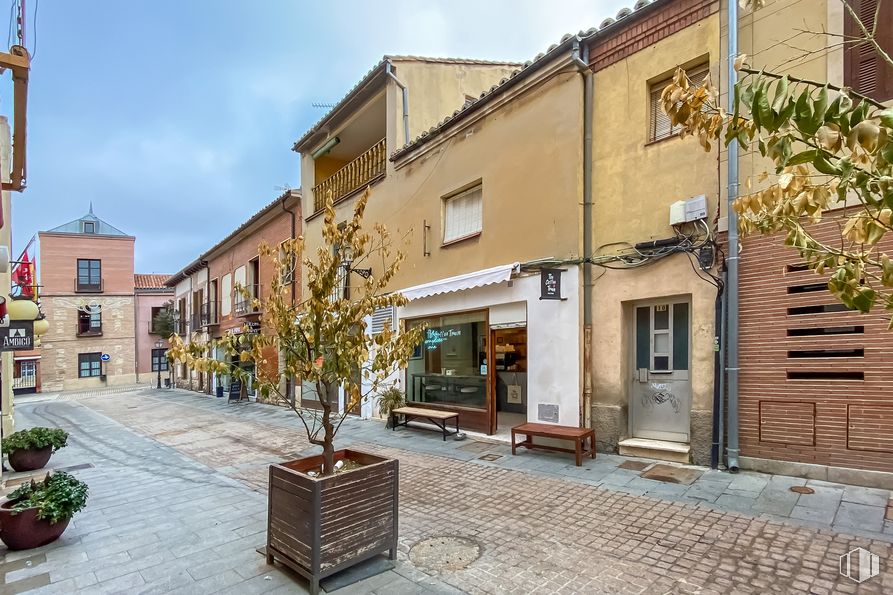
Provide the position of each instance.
(89, 275)
(662, 337)
(462, 214)
(226, 295)
(89, 322)
(89, 365)
(863, 69)
(450, 365)
(89, 227)
(660, 126)
(159, 360)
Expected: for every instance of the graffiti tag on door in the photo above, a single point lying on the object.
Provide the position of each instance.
(659, 393)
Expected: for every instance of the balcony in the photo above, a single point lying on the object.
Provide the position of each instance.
(208, 314)
(80, 286)
(181, 327)
(85, 330)
(362, 171)
(242, 305)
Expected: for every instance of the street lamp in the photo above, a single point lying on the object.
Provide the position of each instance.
(159, 344)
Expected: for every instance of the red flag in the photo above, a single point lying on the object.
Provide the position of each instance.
(23, 276)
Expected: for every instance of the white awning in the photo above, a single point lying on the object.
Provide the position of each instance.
(461, 282)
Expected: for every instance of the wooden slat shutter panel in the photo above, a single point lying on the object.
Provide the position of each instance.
(864, 70)
(660, 126)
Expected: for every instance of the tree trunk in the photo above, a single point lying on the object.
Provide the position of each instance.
(328, 446)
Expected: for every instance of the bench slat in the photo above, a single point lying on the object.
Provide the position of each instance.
(546, 430)
(423, 412)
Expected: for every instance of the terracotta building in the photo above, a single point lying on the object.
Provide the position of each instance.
(87, 294)
(151, 295)
(206, 299)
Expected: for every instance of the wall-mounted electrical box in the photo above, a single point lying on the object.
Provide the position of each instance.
(686, 211)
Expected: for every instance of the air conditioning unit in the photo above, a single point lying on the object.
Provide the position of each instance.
(686, 211)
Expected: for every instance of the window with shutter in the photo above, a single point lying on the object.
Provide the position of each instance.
(864, 70)
(462, 216)
(382, 317)
(660, 126)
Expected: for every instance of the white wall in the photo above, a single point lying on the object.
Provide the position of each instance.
(554, 336)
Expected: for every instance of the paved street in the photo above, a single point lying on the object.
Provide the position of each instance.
(178, 503)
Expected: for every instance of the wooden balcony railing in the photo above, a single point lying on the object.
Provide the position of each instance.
(363, 170)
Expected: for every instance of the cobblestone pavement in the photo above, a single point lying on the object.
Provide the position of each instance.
(543, 526)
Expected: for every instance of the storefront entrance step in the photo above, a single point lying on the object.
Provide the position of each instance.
(663, 450)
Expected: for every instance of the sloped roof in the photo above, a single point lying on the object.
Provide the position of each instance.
(149, 281)
(101, 228)
(378, 69)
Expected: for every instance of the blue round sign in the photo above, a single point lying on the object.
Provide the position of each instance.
(105, 357)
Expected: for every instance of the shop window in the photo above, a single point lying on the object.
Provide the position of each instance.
(660, 126)
(159, 360)
(463, 214)
(864, 69)
(450, 365)
(89, 365)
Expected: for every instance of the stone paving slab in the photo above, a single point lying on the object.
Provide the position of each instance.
(545, 525)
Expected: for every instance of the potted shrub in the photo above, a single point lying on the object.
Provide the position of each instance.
(329, 511)
(37, 513)
(31, 449)
(390, 398)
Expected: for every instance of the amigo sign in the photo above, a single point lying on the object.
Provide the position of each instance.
(18, 336)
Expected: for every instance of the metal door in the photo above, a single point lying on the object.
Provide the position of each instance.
(660, 394)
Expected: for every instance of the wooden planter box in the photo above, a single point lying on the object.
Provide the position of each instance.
(320, 526)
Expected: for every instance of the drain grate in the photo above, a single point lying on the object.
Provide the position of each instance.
(448, 552)
(75, 467)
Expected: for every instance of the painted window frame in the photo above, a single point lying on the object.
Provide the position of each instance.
(696, 72)
(93, 359)
(452, 198)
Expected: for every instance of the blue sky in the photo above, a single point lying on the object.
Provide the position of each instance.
(176, 118)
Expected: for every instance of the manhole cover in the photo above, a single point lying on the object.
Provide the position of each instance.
(802, 490)
(444, 553)
(634, 465)
(490, 457)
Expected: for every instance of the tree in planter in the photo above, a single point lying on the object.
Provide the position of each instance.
(832, 149)
(322, 340)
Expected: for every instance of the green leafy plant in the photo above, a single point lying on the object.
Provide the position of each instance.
(389, 399)
(56, 498)
(35, 438)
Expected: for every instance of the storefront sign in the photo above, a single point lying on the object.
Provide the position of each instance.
(435, 336)
(18, 336)
(550, 284)
(235, 389)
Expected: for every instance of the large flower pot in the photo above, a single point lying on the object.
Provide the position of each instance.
(29, 459)
(24, 531)
(318, 526)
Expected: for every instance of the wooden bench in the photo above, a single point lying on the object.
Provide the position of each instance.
(435, 416)
(578, 435)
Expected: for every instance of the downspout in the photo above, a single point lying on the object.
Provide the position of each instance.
(403, 88)
(732, 260)
(293, 231)
(581, 59)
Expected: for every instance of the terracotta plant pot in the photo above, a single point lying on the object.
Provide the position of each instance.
(23, 530)
(318, 526)
(29, 459)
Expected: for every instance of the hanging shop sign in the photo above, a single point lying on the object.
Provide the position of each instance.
(18, 336)
(550, 284)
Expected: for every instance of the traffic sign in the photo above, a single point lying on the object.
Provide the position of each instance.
(105, 357)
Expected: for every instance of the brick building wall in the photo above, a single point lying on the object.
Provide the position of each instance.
(816, 380)
(60, 302)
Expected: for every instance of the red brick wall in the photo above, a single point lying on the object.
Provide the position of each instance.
(59, 254)
(646, 27)
(786, 413)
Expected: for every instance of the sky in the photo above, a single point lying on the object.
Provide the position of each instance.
(176, 118)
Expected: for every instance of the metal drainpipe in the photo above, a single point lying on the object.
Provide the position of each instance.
(403, 88)
(293, 231)
(588, 86)
(732, 288)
